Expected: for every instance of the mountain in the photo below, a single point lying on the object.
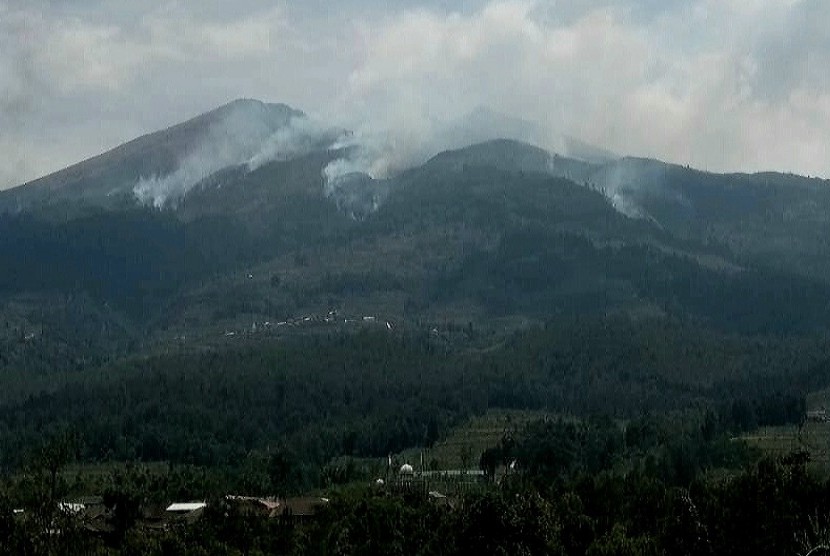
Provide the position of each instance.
(484, 124)
(576, 148)
(107, 181)
(235, 218)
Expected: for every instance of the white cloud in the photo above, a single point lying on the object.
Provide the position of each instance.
(80, 55)
(185, 38)
(91, 81)
(688, 84)
(719, 84)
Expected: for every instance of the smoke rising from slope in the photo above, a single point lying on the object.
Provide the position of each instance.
(686, 82)
(248, 134)
(233, 139)
(383, 149)
(302, 135)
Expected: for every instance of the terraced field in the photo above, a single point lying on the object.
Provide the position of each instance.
(463, 447)
(813, 436)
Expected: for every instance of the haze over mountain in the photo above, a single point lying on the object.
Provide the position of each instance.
(166, 229)
(670, 80)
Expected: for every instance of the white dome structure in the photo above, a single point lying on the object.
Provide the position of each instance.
(407, 469)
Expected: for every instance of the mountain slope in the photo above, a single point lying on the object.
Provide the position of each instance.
(107, 180)
(497, 232)
(775, 220)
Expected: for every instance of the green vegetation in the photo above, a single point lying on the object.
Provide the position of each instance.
(670, 485)
(627, 386)
(464, 444)
(371, 393)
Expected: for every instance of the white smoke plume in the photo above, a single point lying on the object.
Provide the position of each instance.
(383, 149)
(249, 135)
(301, 136)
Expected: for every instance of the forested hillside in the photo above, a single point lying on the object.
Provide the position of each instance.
(372, 393)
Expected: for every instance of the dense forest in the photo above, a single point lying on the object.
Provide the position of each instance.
(372, 393)
(640, 454)
(677, 484)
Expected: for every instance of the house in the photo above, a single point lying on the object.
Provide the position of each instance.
(186, 512)
(185, 507)
(251, 505)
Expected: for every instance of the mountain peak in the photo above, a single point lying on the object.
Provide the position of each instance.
(255, 106)
(237, 127)
(507, 154)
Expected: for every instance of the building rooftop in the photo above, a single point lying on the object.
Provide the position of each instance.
(185, 506)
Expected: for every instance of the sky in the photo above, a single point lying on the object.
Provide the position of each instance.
(722, 85)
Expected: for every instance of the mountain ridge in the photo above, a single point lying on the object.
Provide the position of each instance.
(155, 153)
(113, 178)
(496, 230)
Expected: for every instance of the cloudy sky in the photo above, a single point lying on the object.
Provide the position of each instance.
(718, 84)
